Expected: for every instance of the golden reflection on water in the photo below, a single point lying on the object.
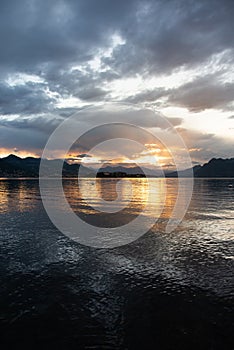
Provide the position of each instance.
(18, 195)
(133, 195)
(210, 211)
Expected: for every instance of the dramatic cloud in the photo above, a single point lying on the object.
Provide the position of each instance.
(147, 96)
(25, 99)
(166, 35)
(42, 124)
(203, 147)
(204, 93)
(58, 57)
(57, 33)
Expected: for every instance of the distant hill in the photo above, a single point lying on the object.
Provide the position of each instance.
(13, 166)
(216, 167)
(184, 173)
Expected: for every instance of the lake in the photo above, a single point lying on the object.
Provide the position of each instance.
(163, 291)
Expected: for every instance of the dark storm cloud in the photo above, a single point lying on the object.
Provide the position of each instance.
(47, 38)
(203, 93)
(57, 32)
(93, 93)
(65, 112)
(159, 36)
(23, 139)
(147, 96)
(113, 113)
(172, 34)
(29, 99)
(40, 124)
(50, 38)
(27, 134)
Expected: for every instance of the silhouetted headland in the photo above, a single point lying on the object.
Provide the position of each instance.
(13, 166)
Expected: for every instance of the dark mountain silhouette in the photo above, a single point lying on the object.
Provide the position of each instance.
(216, 167)
(13, 166)
(185, 172)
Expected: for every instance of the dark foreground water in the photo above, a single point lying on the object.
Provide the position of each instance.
(163, 291)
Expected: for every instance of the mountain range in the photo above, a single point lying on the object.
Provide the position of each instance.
(13, 166)
(216, 167)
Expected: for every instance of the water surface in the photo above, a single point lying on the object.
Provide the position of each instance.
(165, 291)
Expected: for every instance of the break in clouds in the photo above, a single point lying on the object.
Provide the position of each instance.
(174, 57)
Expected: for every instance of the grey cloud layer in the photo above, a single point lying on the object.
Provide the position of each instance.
(57, 32)
(25, 99)
(172, 34)
(203, 147)
(49, 38)
(203, 93)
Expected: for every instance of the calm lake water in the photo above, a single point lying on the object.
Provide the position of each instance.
(163, 291)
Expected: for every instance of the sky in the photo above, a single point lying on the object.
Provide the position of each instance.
(169, 58)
